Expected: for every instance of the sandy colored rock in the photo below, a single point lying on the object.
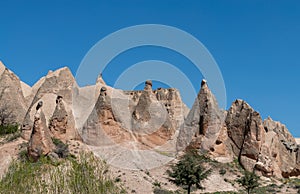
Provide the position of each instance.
(246, 131)
(11, 96)
(40, 142)
(59, 121)
(58, 83)
(203, 124)
(283, 149)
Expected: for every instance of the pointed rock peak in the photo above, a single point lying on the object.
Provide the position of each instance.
(241, 105)
(49, 72)
(269, 119)
(59, 121)
(148, 85)
(40, 142)
(203, 83)
(64, 72)
(100, 80)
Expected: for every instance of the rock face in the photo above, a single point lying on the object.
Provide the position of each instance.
(93, 132)
(12, 99)
(203, 127)
(40, 142)
(58, 83)
(59, 121)
(146, 120)
(266, 147)
(246, 131)
(282, 149)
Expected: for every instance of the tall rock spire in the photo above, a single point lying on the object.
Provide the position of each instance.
(204, 122)
(40, 141)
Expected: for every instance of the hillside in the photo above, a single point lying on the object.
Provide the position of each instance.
(140, 133)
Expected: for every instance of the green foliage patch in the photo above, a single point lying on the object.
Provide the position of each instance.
(86, 175)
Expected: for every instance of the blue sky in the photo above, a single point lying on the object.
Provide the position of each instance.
(255, 43)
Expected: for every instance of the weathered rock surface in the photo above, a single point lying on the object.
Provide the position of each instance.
(59, 121)
(143, 121)
(146, 120)
(203, 128)
(12, 100)
(40, 142)
(283, 149)
(246, 131)
(57, 83)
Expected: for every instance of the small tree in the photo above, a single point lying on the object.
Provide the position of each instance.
(249, 181)
(189, 171)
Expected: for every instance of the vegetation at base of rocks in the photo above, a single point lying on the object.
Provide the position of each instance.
(62, 149)
(249, 181)
(9, 133)
(8, 129)
(189, 171)
(7, 118)
(86, 174)
(292, 183)
(156, 184)
(163, 191)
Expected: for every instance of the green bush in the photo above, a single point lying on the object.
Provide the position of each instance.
(156, 184)
(87, 175)
(62, 149)
(189, 171)
(163, 191)
(249, 181)
(8, 129)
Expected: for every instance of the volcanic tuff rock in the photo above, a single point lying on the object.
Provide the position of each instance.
(40, 142)
(11, 95)
(203, 127)
(58, 83)
(147, 119)
(282, 149)
(59, 121)
(246, 132)
(266, 147)
(143, 121)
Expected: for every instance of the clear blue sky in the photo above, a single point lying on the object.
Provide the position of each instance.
(255, 43)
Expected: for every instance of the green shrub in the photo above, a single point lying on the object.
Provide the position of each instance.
(163, 191)
(189, 171)
(157, 184)
(87, 175)
(249, 181)
(8, 129)
(62, 149)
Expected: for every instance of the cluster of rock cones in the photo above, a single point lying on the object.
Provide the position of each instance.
(57, 107)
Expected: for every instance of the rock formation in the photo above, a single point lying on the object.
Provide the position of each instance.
(93, 132)
(40, 143)
(266, 147)
(59, 121)
(282, 149)
(58, 83)
(204, 124)
(11, 96)
(146, 120)
(246, 132)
